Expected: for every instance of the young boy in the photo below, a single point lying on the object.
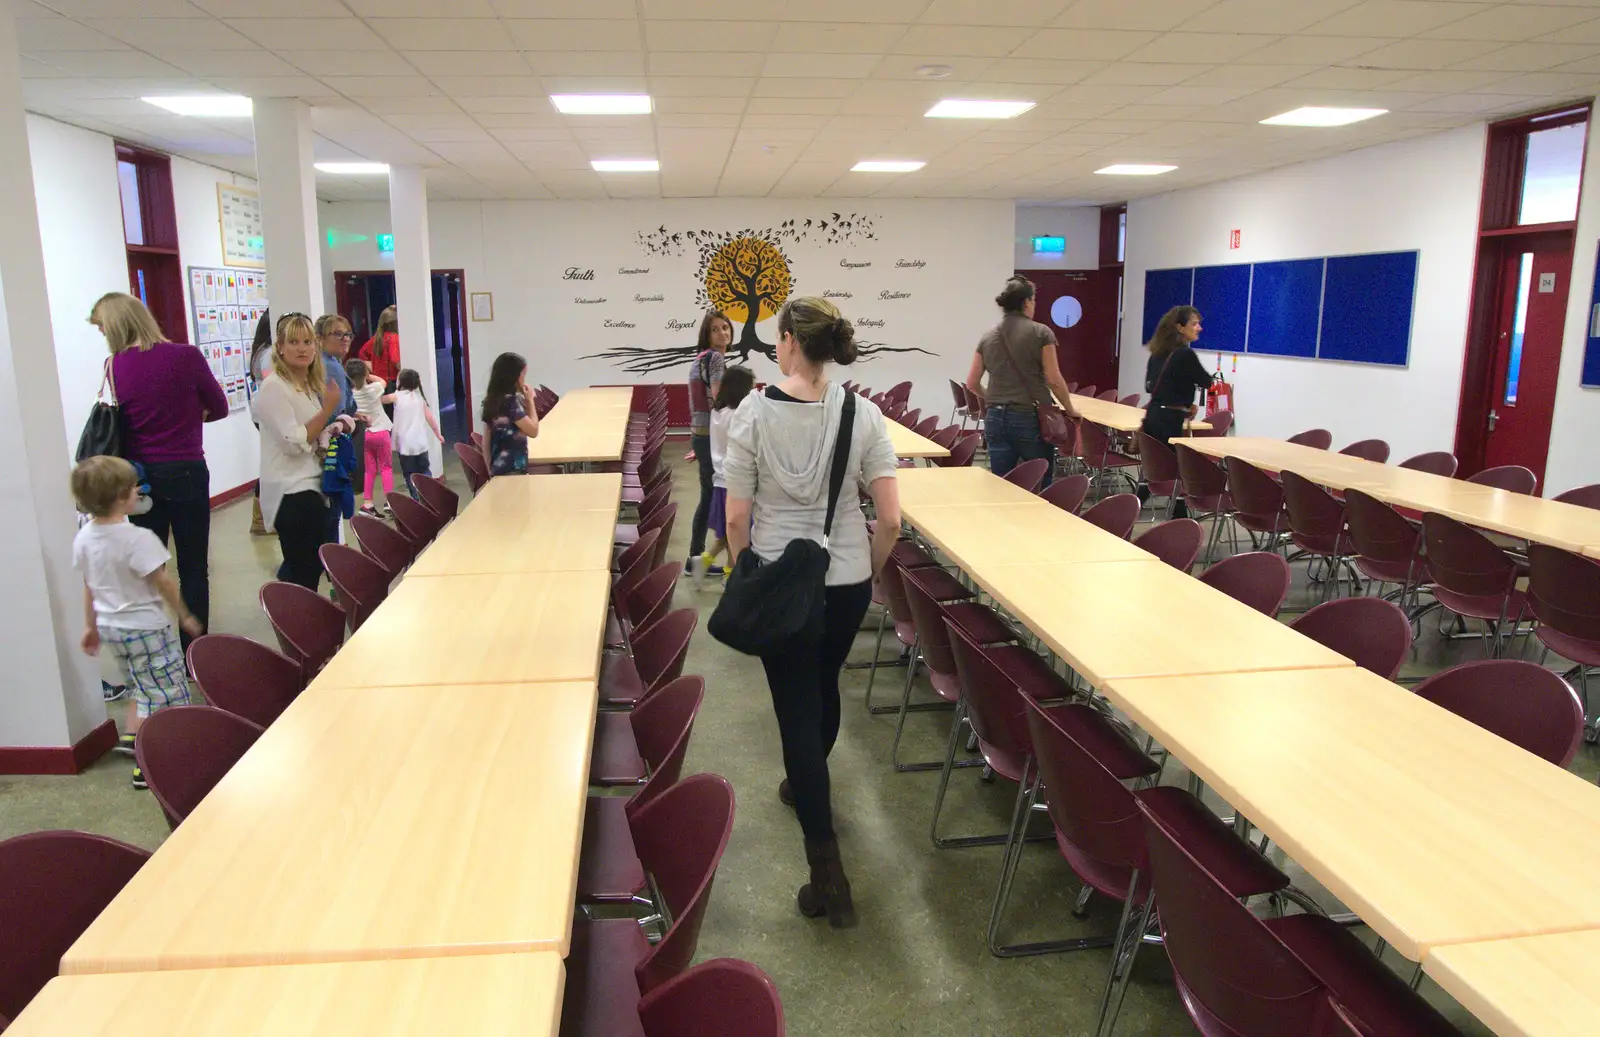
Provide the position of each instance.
(125, 582)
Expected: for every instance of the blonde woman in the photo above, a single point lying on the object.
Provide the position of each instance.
(166, 392)
(294, 407)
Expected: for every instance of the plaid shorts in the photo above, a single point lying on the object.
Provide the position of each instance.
(153, 662)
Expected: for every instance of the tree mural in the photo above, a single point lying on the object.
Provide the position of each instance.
(745, 274)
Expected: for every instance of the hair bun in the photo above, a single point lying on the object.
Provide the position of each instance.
(844, 341)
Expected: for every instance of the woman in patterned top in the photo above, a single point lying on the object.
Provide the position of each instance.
(509, 419)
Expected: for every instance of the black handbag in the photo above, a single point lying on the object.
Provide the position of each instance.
(776, 605)
(102, 433)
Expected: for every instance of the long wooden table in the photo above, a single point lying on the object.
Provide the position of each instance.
(368, 824)
(1536, 986)
(1566, 526)
(1036, 532)
(1120, 416)
(496, 995)
(1434, 830)
(968, 485)
(584, 425)
(908, 444)
(534, 523)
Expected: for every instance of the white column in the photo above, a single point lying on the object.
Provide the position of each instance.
(413, 283)
(52, 690)
(288, 187)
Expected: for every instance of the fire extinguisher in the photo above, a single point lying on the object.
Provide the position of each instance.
(1220, 396)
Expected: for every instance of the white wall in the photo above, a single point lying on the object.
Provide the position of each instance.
(80, 220)
(1417, 194)
(520, 252)
(1080, 225)
(1573, 460)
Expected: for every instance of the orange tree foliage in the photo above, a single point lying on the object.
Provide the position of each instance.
(746, 274)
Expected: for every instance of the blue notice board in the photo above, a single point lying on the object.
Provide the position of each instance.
(1285, 303)
(1164, 289)
(1222, 295)
(1367, 303)
(1591, 347)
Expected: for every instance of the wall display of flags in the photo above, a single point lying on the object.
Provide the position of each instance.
(226, 305)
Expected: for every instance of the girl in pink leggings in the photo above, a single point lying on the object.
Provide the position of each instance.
(367, 388)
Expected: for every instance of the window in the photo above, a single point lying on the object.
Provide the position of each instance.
(1550, 173)
(1519, 327)
(150, 229)
(132, 211)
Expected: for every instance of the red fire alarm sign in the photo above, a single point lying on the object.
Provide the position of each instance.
(1233, 239)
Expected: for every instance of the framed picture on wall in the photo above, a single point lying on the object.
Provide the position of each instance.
(482, 306)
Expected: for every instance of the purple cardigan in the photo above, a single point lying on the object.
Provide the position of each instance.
(166, 392)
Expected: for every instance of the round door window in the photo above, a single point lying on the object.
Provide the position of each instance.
(1066, 311)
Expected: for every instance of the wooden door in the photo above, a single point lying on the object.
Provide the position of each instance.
(1080, 306)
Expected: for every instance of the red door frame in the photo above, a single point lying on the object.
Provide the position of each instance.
(341, 293)
(1499, 236)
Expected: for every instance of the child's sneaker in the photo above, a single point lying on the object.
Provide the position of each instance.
(697, 570)
(138, 778)
(369, 511)
(125, 743)
(112, 692)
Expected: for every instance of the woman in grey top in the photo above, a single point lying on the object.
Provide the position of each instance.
(780, 450)
(1019, 355)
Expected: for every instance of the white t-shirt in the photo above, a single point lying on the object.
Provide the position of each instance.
(117, 559)
(411, 429)
(369, 402)
(720, 420)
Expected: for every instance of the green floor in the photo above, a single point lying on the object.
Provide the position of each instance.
(917, 963)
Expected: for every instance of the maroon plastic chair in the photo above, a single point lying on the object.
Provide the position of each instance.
(626, 681)
(1175, 541)
(633, 565)
(651, 598)
(362, 583)
(1260, 579)
(1387, 548)
(185, 750)
(1116, 515)
(1067, 493)
(896, 614)
(310, 628)
(1029, 474)
(910, 418)
(1368, 450)
(723, 997)
(680, 837)
(416, 520)
(1511, 477)
(947, 436)
(1160, 466)
(244, 677)
(1520, 701)
(445, 502)
(899, 393)
(1582, 496)
(1320, 438)
(1473, 578)
(618, 757)
(1130, 400)
(1370, 632)
(1245, 976)
(1434, 462)
(927, 426)
(1109, 395)
(1564, 596)
(894, 411)
(473, 465)
(661, 519)
(959, 395)
(1086, 390)
(1257, 502)
(52, 886)
(1317, 526)
(1204, 486)
(1099, 456)
(966, 447)
(1220, 423)
(383, 544)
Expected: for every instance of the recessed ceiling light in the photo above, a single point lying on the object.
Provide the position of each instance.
(961, 108)
(933, 71)
(875, 166)
(1134, 169)
(353, 168)
(625, 165)
(213, 105)
(601, 104)
(1315, 116)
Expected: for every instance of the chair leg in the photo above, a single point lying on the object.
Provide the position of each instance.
(956, 842)
(1130, 944)
(900, 725)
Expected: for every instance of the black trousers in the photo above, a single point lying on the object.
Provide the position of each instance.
(702, 511)
(413, 464)
(805, 697)
(302, 526)
(180, 505)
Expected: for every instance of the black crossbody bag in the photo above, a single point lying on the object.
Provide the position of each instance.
(769, 606)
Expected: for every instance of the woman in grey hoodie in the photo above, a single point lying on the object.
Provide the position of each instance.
(780, 453)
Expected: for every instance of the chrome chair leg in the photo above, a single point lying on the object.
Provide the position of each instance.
(1132, 941)
(906, 706)
(956, 842)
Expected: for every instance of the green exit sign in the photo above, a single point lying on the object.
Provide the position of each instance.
(1049, 245)
(385, 242)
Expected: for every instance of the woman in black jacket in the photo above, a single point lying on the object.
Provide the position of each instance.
(1172, 376)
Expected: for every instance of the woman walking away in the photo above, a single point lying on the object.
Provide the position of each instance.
(705, 381)
(166, 392)
(1019, 355)
(509, 419)
(780, 450)
(293, 408)
(1171, 376)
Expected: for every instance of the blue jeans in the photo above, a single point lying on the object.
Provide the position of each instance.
(1012, 435)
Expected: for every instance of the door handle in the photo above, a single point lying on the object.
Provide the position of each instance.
(1493, 417)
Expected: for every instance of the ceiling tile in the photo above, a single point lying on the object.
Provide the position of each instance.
(1512, 23)
(32, 69)
(1312, 50)
(511, 111)
(613, 84)
(1345, 78)
(286, 34)
(574, 33)
(701, 86)
(1120, 14)
(793, 105)
(167, 33)
(664, 63)
(468, 62)
(1425, 55)
(1268, 16)
(489, 86)
(824, 66)
(563, 8)
(380, 86)
(845, 38)
(586, 63)
(799, 87)
(1089, 44)
(481, 152)
(1252, 76)
(734, 37)
(1039, 70)
(230, 62)
(109, 63)
(904, 11)
(962, 39)
(1199, 95)
(277, 9)
(1448, 82)
(1395, 18)
(1531, 57)
(1545, 84)
(1130, 73)
(994, 12)
(1199, 47)
(405, 105)
(690, 122)
(42, 34)
(421, 8)
(700, 105)
(304, 87)
(350, 63)
(443, 33)
(120, 8)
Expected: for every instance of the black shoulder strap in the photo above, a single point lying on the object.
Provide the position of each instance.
(841, 457)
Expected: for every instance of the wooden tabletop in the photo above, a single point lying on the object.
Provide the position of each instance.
(483, 629)
(369, 824)
(483, 542)
(1432, 829)
(585, 425)
(1027, 532)
(1119, 416)
(1537, 986)
(908, 444)
(1144, 618)
(492, 995)
(924, 487)
(526, 498)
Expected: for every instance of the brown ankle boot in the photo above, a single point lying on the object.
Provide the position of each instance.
(828, 892)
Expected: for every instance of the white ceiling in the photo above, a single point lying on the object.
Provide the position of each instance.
(781, 97)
